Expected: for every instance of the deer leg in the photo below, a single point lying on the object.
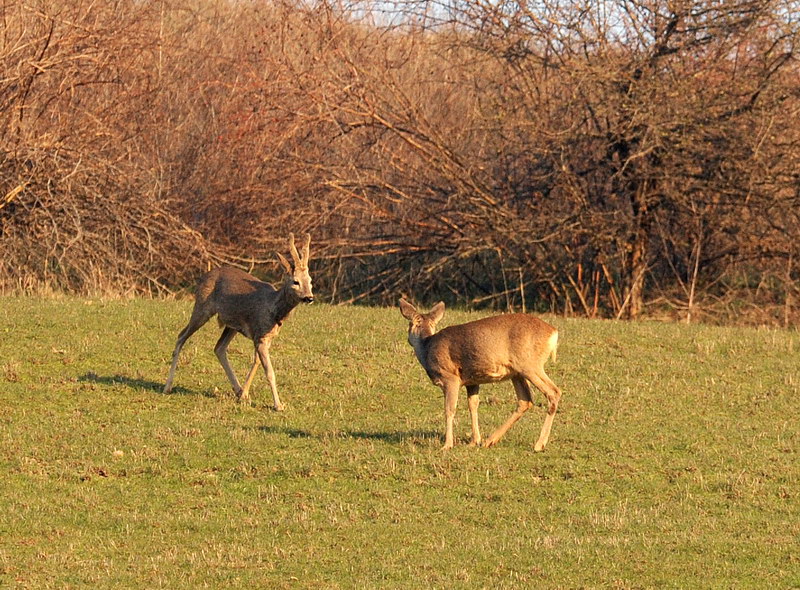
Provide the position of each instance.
(244, 395)
(195, 323)
(524, 403)
(474, 401)
(221, 350)
(450, 389)
(553, 395)
(262, 351)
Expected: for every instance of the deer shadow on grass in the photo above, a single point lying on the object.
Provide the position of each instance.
(135, 383)
(290, 432)
(396, 437)
(393, 438)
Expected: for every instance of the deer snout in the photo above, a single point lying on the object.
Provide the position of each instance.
(309, 299)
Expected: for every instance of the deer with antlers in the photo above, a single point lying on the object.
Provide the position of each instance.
(512, 346)
(245, 305)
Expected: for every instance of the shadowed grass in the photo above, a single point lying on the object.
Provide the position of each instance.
(673, 460)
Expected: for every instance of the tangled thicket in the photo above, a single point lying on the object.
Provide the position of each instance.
(624, 159)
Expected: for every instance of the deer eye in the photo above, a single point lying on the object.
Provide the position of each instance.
(296, 283)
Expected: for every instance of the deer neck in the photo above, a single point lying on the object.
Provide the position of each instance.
(284, 304)
(420, 346)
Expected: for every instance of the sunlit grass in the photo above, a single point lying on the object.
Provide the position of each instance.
(673, 460)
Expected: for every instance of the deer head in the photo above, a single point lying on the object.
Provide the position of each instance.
(298, 281)
(421, 325)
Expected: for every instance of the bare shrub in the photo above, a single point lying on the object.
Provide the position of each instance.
(80, 211)
(612, 161)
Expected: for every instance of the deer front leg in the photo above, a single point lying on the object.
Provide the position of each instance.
(450, 389)
(474, 401)
(262, 349)
(244, 394)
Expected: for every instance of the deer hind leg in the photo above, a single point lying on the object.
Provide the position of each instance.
(196, 322)
(524, 403)
(553, 395)
(474, 401)
(262, 352)
(221, 350)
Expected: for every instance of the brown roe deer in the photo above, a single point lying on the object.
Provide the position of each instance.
(512, 346)
(245, 305)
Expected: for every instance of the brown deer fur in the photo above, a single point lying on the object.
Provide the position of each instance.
(512, 346)
(245, 305)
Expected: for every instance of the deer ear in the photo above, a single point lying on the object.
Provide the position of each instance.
(437, 312)
(408, 310)
(285, 263)
(306, 248)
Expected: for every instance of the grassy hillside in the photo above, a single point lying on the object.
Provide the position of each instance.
(673, 460)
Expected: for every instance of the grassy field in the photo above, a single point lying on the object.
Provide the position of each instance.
(673, 461)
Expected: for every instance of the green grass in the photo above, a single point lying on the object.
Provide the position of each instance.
(673, 461)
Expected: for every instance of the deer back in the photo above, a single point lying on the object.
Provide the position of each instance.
(240, 300)
(490, 349)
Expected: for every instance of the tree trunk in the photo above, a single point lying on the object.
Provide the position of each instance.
(636, 255)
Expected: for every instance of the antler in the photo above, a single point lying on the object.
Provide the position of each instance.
(298, 260)
(293, 250)
(306, 246)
